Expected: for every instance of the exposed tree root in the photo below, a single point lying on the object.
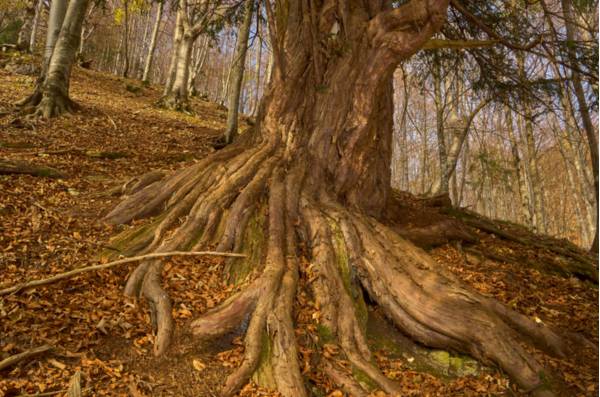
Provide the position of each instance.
(175, 102)
(437, 234)
(52, 103)
(565, 258)
(213, 203)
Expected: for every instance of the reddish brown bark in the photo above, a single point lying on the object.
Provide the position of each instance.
(318, 165)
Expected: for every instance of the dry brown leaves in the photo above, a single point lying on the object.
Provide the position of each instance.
(50, 226)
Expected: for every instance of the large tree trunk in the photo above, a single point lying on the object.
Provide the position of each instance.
(152, 47)
(238, 67)
(176, 97)
(315, 177)
(58, 10)
(55, 89)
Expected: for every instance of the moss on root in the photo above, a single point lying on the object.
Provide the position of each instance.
(264, 375)
(252, 245)
(325, 334)
(129, 241)
(440, 363)
(364, 380)
(342, 259)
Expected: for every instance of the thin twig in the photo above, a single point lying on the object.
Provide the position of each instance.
(51, 393)
(16, 358)
(69, 274)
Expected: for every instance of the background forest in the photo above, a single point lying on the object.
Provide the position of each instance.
(312, 198)
(503, 131)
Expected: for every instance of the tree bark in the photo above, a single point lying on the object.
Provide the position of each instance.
(314, 176)
(126, 39)
(177, 35)
(519, 172)
(152, 47)
(198, 64)
(55, 89)
(25, 30)
(34, 25)
(257, 69)
(238, 67)
(440, 103)
(590, 131)
(177, 96)
(58, 9)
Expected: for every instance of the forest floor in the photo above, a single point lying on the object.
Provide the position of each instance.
(48, 226)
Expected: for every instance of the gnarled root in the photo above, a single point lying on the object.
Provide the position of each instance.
(213, 202)
(47, 103)
(54, 106)
(175, 102)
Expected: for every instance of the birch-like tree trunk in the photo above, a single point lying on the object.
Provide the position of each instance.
(34, 25)
(238, 67)
(198, 64)
(153, 40)
(586, 119)
(25, 30)
(126, 38)
(520, 173)
(55, 91)
(440, 104)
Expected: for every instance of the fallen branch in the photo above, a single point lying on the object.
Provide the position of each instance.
(51, 393)
(16, 358)
(23, 167)
(69, 274)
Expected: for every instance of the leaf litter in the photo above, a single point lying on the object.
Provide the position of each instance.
(49, 226)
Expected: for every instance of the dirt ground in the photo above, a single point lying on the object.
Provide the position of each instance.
(49, 226)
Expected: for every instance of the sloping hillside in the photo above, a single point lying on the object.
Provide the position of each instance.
(52, 225)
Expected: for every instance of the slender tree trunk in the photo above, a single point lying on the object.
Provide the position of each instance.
(199, 62)
(34, 26)
(85, 32)
(586, 119)
(140, 47)
(519, 172)
(25, 30)
(237, 70)
(227, 77)
(177, 36)
(153, 40)
(126, 39)
(440, 102)
(576, 193)
(177, 97)
(534, 178)
(257, 69)
(463, 180)
(460, 130)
